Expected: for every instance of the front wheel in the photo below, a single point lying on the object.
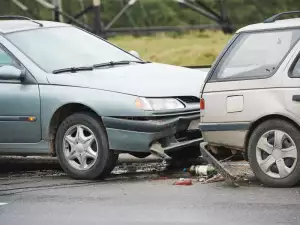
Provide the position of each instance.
(82, 147)
(274, 154)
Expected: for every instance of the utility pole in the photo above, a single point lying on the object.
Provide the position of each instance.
(98, 29)
(58, 7)
(225, 22)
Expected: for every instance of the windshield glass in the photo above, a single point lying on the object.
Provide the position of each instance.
(256, 54)
(63, 47)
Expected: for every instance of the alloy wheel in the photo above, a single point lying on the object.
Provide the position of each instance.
(80, 147)
(276, 154)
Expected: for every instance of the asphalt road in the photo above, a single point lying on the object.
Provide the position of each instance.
(50, 197)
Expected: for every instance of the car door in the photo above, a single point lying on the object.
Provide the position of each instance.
(19, 105)
(291, 84)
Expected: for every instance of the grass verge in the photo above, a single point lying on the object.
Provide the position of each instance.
(189, 49)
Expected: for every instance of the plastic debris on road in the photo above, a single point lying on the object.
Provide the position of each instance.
(201, 170)
(183, 181)
(206, 173)
(215, 178)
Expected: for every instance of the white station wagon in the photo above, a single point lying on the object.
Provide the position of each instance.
(251, 99)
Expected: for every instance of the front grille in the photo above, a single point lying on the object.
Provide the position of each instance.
(189, 99)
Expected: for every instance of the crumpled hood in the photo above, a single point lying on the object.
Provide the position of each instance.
(148, 80)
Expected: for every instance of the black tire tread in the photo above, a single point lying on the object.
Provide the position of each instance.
(110, 165)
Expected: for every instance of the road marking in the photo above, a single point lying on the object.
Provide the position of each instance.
(2, 203)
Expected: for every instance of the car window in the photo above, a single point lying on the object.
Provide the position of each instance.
(5, 59)
(296, 69)
(63, 47)
(255, 54)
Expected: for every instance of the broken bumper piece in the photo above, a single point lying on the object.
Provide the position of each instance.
(157, 135)
(220, 168)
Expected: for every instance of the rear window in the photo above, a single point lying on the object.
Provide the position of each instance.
(255, 54)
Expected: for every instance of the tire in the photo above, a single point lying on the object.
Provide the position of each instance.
(99, 165)
(111, 163)
(260, 160)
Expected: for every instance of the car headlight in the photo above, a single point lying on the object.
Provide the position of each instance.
(158, 103)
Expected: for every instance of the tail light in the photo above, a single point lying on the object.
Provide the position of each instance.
(202, 103)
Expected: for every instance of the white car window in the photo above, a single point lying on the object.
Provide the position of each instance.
(296, 69)
(256, 54)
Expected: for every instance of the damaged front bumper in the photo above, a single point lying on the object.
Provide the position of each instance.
(163, 134)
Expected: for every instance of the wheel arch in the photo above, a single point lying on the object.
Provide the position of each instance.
(60, 114)
(257, 122)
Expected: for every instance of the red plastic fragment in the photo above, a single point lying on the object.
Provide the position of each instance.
(184, 182)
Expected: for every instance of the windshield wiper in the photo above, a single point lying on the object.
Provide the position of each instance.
(73, 69)
(115, 63)
(87, 68)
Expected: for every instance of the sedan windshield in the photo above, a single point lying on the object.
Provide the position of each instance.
(66, 47)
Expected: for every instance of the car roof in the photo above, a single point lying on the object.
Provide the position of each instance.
(278, 24)
(8, 26)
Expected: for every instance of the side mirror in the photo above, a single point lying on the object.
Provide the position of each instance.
(8, 72)
(134, 53)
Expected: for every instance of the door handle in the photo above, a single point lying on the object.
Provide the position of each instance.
(296, 98)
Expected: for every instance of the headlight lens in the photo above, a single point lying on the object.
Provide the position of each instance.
(158, 103)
